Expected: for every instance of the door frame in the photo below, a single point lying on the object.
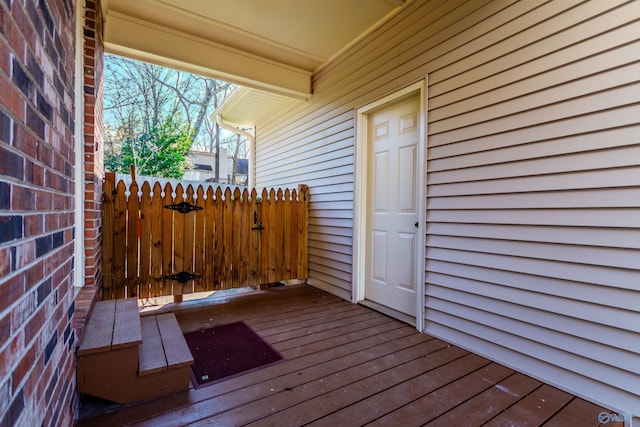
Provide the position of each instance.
(361, 200)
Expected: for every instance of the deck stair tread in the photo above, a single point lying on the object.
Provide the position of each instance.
(151, 353)
(175, 347)
(99, 330)
(126, 331)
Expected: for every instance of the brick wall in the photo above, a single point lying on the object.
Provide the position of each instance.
(93, 161)
(37, 173)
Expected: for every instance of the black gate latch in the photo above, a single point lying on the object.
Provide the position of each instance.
(259, 226)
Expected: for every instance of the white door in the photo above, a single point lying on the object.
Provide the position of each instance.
(393, 138)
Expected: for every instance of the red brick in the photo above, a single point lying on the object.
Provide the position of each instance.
(35, 274)
(12, 99)
(59, 317)
(25, 254)
(5, 57)
(23, 21)
(89, 80)
(23, 199)
(51, 222)
(5, 328)
(35, 324)
(45, 153)
(70, 219)
(51, 376)
(59, 276)
(5, 262)
(11, 163)
(9, 354)
(33, 225)
(14, 35)
(63, 291)
(38, 175)
(11, 290)
(59, 201)
(25, 141)
(43, 200)
(34, 379)
(50, 265)
(24, 365)
(23, 310)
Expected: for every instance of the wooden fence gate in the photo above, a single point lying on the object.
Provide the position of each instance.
(201, 239)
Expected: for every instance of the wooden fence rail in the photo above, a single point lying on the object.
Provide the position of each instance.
(210, 240)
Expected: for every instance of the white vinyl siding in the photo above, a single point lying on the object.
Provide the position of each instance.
(533, 179)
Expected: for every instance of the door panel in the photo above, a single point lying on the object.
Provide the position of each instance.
(407, 180)
(380, 256)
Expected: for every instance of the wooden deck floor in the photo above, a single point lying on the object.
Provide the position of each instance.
(348, 365)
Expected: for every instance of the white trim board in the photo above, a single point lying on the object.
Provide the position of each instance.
(360, 197)
(79, 246)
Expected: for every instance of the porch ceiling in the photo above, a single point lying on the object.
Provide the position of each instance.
(272, 45)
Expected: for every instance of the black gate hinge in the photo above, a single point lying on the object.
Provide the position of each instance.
(183, 207)
(182, 277)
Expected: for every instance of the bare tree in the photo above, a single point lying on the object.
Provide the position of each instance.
(139, 96)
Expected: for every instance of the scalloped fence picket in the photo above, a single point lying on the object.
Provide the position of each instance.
(160, 241)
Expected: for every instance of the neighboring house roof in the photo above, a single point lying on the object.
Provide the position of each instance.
(200, 167)
(242, 167)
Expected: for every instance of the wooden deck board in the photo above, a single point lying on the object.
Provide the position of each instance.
(534, 409)
(578, 412)
(486, 405)
(304, 386)
(436, 403)
(372, 323)
(348, 364)
(363, 398)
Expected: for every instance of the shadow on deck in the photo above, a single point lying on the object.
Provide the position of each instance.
(349, 365)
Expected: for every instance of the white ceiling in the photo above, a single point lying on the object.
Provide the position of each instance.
(274, 45)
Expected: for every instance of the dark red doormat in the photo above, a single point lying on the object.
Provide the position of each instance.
(227, 350)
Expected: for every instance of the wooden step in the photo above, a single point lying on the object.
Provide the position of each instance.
(113, 324)
(163, 345)
(126, 359)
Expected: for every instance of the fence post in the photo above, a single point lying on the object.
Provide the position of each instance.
(133, 229)
(156, 242)
(303, 232)
(264, 238)
(108, 191)
(287, 236)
